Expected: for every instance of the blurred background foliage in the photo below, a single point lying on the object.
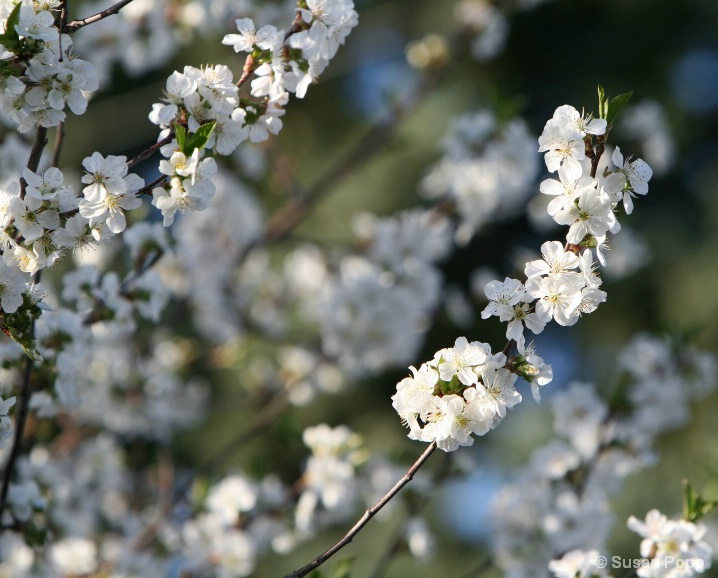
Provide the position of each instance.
(555, 53)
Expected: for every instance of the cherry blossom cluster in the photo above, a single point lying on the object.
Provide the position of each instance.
(465, 390)
(368, 307)
(43, 218)
(47, 219)
(559, 502)
(671, 545)
(40, 74)
(203, 107)
(670, 548)
(584, 203)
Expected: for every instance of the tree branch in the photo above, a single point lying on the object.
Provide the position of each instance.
(368, 515)
(147, 153)
(35, 155)
(20, 420)
(75, 25)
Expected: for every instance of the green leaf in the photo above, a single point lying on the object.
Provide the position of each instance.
(616, 105)
(181, 136)
(199, 138)
(343, 568)
(694, 506)
(602, 102)
(11, 39)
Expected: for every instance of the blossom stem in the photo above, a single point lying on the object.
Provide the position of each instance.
(368, 515)
(600, 148)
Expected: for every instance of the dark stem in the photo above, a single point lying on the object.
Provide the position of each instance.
(368, 515)
(61, 22)
(77, 24)
(35, 155)
(147, 189)
(147, 153)
(59, 137)
(600, 148)
(20, 419)
(24, 403)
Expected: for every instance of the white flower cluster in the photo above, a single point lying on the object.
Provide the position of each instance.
(670, 549)
(487, 169)
(579, 564)
(40, 75)
(50, 219)
(560, 287)
(197, 100)
(464, 390)
(213, 539)
(374, 313)
(560, 501)
(673, 548)
(583, 202)
(329, 480)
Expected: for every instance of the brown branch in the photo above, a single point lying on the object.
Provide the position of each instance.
(368, 515)
(21, 418)
(23, 405)
(147, 153)
(59, 137)
(75, 25)
(35, 155)
(600, 148)
(147, 189)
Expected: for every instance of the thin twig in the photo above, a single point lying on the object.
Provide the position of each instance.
(61, 22)
(147, 189)
(21, 418)
(368, 515)
(147, 153)
(75, 25)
